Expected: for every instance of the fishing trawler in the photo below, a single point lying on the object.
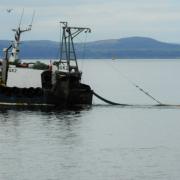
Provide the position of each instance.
(60, 85)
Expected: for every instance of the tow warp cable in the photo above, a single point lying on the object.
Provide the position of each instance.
(131, 105)
(107, 101)
(137, 86)
(148, 94)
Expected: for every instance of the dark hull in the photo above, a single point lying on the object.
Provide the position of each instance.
(40, 97)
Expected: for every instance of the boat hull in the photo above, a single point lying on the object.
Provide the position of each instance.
(15, 96)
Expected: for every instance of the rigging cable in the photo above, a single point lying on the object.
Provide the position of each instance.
(84, 47)
(22, 14)
(137, 86)
(83, 43)
(59, 48)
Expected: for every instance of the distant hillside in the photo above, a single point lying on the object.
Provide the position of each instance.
(132, 47)
(35, 49)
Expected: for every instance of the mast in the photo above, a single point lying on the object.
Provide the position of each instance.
(14, 57)
(5, 65)
(68, 60)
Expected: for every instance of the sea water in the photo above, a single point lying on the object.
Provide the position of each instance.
(102, 142)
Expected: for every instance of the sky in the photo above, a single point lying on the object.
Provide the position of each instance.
(108, 19)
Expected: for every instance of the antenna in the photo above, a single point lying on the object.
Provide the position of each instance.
(30, 25)
(21, 17)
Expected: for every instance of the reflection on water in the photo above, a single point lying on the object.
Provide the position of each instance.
(102, 142)
(37, 143)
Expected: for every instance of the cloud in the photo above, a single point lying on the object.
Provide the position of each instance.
(108, 19)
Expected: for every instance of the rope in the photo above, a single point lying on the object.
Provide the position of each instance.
(107, 101)
(131, 105)
(147, 94)
(84, 47)
(58, 53)
(83, 42)
(138, 87)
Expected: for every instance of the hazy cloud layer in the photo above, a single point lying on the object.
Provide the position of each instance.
(159, 19)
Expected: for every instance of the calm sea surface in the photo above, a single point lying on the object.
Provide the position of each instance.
(104, 142)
